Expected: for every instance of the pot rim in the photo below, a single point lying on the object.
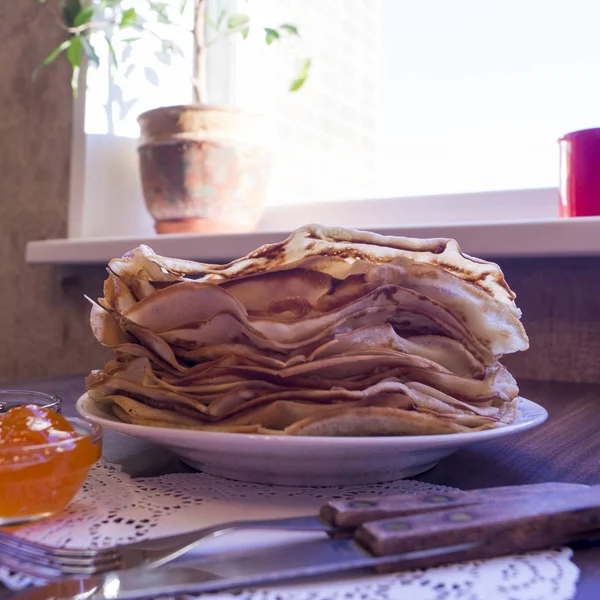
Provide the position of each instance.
(196, 108)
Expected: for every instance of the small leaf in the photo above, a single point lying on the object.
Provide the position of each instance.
(70, 10)
(128, 18)
(163, 57)
(58, 50)
(271, 35)
(182, 6)
(175, 49)
(299, 81)
(161, 10)
(130, 40)
(75, 51)
(169, 48)
(84, 16)
(127, 52)
(290, 28)
(151, 76)
(237, 20)
(50, 58)
(159, 6)
(90, 52)
(129, 70)
(113, 54)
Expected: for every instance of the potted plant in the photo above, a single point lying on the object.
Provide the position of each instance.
(204, 168)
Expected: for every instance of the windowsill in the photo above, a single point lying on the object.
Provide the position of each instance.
(518, 238)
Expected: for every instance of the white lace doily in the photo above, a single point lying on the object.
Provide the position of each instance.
(113, 508)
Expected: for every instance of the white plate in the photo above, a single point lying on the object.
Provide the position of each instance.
(314, 461)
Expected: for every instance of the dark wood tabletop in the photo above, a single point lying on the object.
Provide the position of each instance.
(565, 448)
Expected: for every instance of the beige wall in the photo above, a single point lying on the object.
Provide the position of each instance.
(43, 329)
(43, 315)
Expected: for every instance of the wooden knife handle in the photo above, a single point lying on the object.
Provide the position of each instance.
(500, 526)
(352, 513)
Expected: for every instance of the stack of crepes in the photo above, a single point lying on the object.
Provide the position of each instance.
(330, 332)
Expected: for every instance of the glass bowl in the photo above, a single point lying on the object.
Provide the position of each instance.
(11, 398)
(39, 481)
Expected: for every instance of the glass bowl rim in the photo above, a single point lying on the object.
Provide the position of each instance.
(93, 431)
(52, 400)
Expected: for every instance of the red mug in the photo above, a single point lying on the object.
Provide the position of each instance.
(579, 189)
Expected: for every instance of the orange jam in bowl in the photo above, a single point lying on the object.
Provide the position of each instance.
(44, 460)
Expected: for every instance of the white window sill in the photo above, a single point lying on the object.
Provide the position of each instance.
(516, 238)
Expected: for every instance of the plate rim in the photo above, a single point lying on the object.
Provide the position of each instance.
(409, 441)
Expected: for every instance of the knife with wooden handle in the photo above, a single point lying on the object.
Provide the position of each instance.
(352, 513)
(498, 526)
(494, 525)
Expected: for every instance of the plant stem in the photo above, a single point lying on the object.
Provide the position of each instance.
(199, 73)
(89, 27)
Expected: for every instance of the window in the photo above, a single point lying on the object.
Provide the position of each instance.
(405, 98)
(475, 94)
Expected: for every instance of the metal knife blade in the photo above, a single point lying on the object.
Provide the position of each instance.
(230, 571)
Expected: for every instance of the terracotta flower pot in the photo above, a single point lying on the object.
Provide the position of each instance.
(204, 168)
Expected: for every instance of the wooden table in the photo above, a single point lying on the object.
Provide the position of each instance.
(565, 448)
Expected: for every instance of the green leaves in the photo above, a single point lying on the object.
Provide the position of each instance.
(271, 35)
(291, 29)
(236, 23)
(239, 22)
(82, 20)
(56, 52)
(220, 20)
(83, 16)
(128, 18)
(302, 75)
(70, 10)
(113, 54)
(75, 52)
(162, 12)
(90, 51)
